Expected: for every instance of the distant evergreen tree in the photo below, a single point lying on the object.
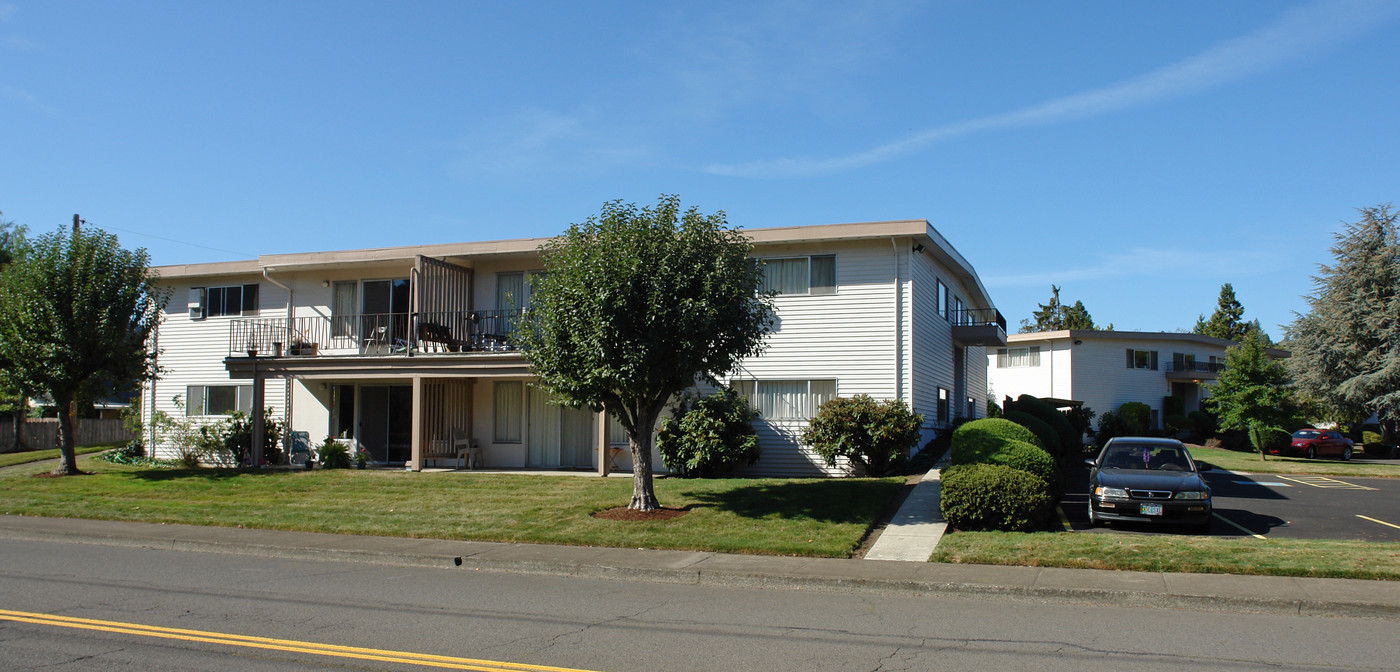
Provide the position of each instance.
(1055, 316)
(1227, 321)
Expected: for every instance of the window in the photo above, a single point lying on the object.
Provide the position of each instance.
(217, 301)
(343, 302)
(1142, 359)
(800, 275)
(343, 411)
(218, 399)
(1016, 358)
(510, 290)
(942, 406)
(507, 411)
(786, 399)
(942, 291)
(959, 317)
(971, 408)
(1183, 361)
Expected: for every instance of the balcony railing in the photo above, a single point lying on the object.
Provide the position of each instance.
(1194, 367)
(974, 317)
(375, 334)
(979, 327)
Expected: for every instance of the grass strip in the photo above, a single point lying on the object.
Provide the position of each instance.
(806, 517)
(1327, 558)
(1238, 461)
(27, 456)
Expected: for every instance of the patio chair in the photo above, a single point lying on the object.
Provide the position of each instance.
(467, 449)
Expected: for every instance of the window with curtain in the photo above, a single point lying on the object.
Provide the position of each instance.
(1015, 358)
(510, 291)
(1142, 359)
(786, 399)
(218, 399)
(800, 275)
(507, 411)
(343, 302)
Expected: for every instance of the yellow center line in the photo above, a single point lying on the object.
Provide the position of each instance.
(1239, 527)
(294, 646)
(1378, 521)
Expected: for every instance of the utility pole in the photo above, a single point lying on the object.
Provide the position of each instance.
(75, 224)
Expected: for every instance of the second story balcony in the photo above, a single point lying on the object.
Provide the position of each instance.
(1190, 369)
(376, 335)
(979, 327)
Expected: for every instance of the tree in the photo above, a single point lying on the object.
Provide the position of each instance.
(12, 387)
(634, 306)
(1253, 392)
(1055, 316)
(1346, 349)
(1227, 321)
(75, 313)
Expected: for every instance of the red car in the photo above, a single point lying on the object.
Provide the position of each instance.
(1311, 443)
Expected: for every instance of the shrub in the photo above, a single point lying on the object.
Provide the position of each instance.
(1370, 438)
(1042, 431)
(976, 440)
(1136, 416)
(1202, 424)
(876, 435)
(1081, 418)
(707, 436)
(334, 455)
(1029, 458)
(1176, 424)
(994, 497)
(993, 409)
(1069, 438)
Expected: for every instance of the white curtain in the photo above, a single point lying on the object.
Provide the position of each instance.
(343, 309)
(506, 412)
(788, 276)
(544, 431)
(510, 291)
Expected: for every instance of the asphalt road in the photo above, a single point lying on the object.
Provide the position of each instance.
(168, 610)
(1276, 505)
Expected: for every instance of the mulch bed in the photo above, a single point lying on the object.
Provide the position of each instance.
(624, 513)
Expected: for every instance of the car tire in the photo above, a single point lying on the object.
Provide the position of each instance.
(1312, 453)
(1346, 454)
(1093, 517)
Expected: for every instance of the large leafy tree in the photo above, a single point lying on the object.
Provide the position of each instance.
(1253, 393)
(13, 390)
(1227, 321)
(1055, 316)
(1346, 349)
(75, 313)
(635, 305)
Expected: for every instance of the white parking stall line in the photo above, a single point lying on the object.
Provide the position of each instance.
(1325, 482)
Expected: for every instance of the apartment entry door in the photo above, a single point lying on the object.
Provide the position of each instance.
(386, 422)
(558, 436)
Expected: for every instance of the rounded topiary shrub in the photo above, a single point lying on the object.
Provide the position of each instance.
(708, 436)
(1040, 428)
(1030, 459)
(994, 497)
(974, 441)
(877, 435)
(1070, 439)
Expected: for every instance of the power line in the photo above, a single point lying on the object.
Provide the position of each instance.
(173, 240)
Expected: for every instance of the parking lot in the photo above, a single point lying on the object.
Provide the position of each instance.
(1274, 505)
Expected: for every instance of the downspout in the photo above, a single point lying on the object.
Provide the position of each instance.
(898, 326)
(286, 384)
(155, 346)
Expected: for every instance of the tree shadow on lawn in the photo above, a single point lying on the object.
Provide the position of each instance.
(827, 501)
(208, 474)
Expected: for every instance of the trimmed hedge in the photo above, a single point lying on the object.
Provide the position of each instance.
(976, 440)
(1030, 459)
(994, 497)
(705, 437)
(1042, 430)
(1071, 440)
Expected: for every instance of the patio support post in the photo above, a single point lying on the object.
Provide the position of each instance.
(259, 422)
(416, 435)
(604, 464)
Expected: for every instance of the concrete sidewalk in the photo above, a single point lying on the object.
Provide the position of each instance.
(915, 530)
(1210, 592)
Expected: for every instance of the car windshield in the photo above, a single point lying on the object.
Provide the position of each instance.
(1146, 457)
(1305, 434)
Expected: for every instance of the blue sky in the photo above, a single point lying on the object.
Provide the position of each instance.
(1136, 154)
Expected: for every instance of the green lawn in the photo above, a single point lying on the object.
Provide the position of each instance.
(24, 457)
(811, 517)
(1249, 462)
(1352, 559)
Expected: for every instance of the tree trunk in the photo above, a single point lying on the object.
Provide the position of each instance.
(68, 464)
(643, 491)
(17, 419)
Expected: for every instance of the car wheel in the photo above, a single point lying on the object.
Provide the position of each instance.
(1093, 517)
(1312, 453)
(1346, 453)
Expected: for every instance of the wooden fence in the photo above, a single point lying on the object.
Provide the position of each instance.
(38, 434)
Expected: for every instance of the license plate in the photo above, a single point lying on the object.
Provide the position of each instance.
(1151, 509)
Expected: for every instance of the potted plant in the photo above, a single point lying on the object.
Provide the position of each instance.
(361, 458)
(300, 347)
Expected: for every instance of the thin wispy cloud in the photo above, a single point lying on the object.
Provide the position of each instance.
(1139, 261)
(540, 141)
(1296, 34)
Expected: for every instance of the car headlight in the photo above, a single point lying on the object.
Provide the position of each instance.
(1110, 493)
(1193, 494)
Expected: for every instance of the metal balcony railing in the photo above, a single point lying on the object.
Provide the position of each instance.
(979, 317)
(375, 334)
(1194, 367)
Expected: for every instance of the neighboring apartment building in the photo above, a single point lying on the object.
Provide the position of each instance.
(1106, 369)
(406, 352)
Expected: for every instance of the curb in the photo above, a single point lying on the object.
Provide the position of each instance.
(1254, 595)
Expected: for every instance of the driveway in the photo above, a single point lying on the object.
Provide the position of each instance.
(1274, 505)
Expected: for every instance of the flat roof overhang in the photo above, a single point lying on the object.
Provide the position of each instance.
(473, 365)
